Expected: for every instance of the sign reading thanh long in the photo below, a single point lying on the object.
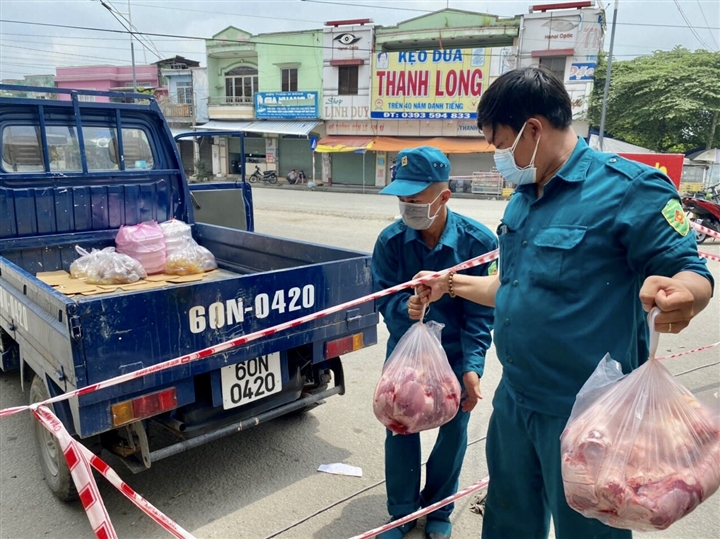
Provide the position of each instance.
(432, 85)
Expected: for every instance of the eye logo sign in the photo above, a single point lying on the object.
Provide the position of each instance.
(347, 39)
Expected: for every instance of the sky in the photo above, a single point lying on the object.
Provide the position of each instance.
(643, 26)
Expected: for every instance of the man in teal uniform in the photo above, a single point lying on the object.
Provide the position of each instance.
(589, 242)
(431, 236)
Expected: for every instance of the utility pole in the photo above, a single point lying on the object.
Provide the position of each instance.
(607, 78)
(132, 48)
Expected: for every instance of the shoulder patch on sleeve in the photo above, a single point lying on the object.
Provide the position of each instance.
(493, 268)
(675, 216)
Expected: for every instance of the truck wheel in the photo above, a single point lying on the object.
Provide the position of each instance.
(52, 461)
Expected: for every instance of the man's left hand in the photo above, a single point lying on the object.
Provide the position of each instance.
(675, 301)
(471, 395)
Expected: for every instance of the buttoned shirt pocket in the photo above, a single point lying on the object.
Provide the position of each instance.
(558, 256)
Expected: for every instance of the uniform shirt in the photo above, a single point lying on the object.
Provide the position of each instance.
(400, 253)
(571, 266)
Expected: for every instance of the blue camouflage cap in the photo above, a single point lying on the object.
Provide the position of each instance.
(417, 169)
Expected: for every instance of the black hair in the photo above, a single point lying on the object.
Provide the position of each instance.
(521, 94)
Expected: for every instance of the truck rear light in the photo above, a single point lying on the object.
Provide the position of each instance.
(143, 407)
(345, 345)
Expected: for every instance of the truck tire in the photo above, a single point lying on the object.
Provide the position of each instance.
(52, 461)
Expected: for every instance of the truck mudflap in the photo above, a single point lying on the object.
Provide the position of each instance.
(305, 401)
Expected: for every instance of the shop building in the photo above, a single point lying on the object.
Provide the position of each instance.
(426, 76)
(268, 87)
(566, 39)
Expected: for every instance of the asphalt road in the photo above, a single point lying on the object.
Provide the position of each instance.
(256, 483)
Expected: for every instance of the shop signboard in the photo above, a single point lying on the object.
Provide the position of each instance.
(286, 105)
(429, 85)
(670, 164)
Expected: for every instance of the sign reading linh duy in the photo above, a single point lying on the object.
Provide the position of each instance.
(429, 85)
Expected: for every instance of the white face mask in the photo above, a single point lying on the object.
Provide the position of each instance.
(507, 167)
(417, 216)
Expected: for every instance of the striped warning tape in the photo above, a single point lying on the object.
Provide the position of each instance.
(239, 341)
(426, 510)
(706, 230)
(80, 459)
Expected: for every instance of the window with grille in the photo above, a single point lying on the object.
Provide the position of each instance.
(348, 80)
(241, 84)
(184, 93)
(556, 64)
(290, 80)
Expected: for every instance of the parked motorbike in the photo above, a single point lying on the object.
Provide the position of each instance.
(704, 209)
(268, 176)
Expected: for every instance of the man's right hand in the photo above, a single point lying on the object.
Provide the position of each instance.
(415, 307)
(431, 290)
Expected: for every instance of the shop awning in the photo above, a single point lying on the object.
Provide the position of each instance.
(336, 143)
(444, 144)
(302, 128)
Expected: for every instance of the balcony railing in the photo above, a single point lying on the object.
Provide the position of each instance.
(231, 100)
(175, 110)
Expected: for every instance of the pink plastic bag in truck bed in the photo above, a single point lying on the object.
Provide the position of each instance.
(145, 243)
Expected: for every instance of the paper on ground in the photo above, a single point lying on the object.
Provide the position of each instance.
(341, 469)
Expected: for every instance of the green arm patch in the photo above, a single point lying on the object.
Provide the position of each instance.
(493, 268)
(675, 216)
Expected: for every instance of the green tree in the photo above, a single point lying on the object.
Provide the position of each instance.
(667, 102)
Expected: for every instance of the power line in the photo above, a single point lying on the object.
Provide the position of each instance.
(128, 19)
(227, 13)
(224, 40)
(373, 6)
(54, 53)
(687, 21)
(114, 12)
(8, 42)
(712, 35)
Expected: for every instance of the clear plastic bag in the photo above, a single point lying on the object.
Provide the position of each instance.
(109, 267)
(639, 452)
(175, 231)
(78, 269)
(145, 243)
(190, 259)
(418, 389)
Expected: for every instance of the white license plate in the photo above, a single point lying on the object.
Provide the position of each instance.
(251, 380)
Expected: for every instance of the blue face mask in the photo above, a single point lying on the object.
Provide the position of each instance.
(506, 165)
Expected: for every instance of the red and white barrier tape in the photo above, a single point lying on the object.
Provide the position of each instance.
(238, 341)
(706, 230)
(693, 351)
(79, 459)
(429, 509)
(709, 256)
(81, 474)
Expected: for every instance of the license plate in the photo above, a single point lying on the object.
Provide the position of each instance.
(251, 380)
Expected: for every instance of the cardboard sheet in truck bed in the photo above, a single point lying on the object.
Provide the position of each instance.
(64, 283)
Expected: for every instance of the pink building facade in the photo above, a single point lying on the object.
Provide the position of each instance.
(104, 78)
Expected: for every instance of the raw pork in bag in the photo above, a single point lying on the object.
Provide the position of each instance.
(639, 451)
(417, 390)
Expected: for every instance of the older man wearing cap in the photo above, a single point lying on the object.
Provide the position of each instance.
(430, 236)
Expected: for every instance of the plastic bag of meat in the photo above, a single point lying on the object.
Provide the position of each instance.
(190, 259)
(109, 267)
(639, 452)
(417, 390)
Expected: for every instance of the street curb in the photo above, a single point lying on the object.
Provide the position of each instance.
(369, 190)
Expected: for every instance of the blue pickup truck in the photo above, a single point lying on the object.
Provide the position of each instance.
(74, 171)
